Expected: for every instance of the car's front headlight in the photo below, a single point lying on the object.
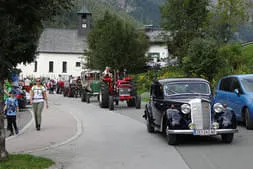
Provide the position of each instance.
(218, 108)
(186, 108)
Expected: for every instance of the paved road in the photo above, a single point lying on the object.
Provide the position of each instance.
(118, 139)
(110, 141)
(208, 152)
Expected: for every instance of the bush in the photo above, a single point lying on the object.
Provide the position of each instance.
(144, 80)
(202, 59)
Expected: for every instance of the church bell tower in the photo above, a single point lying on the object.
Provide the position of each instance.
(84, 24)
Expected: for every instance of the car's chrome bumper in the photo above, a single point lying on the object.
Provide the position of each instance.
(217, 131)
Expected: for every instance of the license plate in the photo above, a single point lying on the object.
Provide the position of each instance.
(201, 132)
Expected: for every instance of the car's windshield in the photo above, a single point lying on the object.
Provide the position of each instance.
(186, 88)
(247, 82)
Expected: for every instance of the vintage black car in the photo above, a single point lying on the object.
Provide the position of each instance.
(181, 106)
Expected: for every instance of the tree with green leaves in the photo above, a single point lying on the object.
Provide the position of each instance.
(115, 43)
(233, 59)
(21, 23)
(202, 59)
(225, 18)
(185, 20)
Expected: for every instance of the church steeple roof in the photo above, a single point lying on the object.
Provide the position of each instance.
(84, 10)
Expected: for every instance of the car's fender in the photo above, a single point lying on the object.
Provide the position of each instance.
(148, 111)
(173, 117)
(227, 119)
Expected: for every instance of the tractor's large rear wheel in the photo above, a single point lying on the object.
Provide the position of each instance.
(138, 102)
(131, 103)
(83, 95)
(88, 99)
(111, 103)
(64, 92)
(104, 95)
(133, 89)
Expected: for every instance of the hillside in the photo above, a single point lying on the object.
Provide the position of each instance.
(147, 11)
(138, 12)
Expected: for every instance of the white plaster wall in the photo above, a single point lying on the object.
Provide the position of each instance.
(162, 49)
(43, 60)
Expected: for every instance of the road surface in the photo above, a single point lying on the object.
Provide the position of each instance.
(118, 139)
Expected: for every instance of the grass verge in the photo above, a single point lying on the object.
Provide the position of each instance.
(25, 161)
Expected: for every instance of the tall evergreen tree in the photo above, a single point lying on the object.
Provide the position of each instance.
(116, 43)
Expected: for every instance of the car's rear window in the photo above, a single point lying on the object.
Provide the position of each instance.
(247, 82)
(186, 88)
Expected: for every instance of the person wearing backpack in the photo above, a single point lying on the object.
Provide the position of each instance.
(11, 108)
(37, 98)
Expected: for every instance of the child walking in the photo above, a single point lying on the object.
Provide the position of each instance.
(11, 108)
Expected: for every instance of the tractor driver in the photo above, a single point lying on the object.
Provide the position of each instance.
(107, 72)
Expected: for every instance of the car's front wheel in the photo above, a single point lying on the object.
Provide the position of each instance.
(172, 139)
(227, 138)
(150, 128)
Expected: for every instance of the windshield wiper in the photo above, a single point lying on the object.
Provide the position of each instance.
(172, 91)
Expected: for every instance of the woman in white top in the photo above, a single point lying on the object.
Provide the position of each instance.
(37, 98)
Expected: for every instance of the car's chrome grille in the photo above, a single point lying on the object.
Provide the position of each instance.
(200, 114)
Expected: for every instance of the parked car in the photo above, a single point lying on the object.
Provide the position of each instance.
(20, 96)
(182, 106)
(236, 91)
(152, 65)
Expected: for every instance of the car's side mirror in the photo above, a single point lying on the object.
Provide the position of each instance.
(237, 91)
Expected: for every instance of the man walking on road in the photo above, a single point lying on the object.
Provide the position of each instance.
(37, 97)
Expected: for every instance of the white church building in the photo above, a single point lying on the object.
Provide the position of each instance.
(61, 51)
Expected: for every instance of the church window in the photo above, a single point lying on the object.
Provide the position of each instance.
(51, 66)
(78, 64)
(64, 67)
(35, 66)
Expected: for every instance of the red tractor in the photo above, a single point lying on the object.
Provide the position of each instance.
(112, 91)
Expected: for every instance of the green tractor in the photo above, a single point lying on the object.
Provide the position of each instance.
(90, 80)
